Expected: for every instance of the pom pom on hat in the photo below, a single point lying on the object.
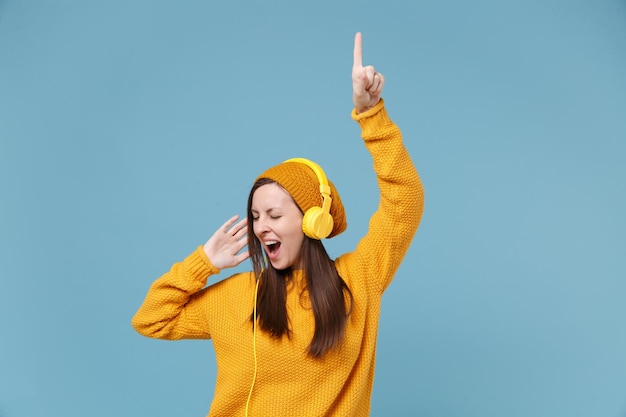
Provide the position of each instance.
(302, 184)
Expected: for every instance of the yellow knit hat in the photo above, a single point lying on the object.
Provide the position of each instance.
(302, 184)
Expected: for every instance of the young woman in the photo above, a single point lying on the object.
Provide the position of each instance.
(297, 335)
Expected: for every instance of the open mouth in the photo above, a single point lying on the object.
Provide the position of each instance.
(272, 247)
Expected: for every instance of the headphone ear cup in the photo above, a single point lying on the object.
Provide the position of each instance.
(317, 224)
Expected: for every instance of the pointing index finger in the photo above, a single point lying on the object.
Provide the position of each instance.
(358, 50)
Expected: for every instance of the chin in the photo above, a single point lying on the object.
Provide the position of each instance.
(279, 266)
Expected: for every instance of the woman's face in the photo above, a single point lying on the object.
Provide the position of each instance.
(277, 224)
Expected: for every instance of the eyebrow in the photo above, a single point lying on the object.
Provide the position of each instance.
(269, 210)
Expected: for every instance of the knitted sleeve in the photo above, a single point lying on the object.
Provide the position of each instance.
(392, 227)
(174, 308)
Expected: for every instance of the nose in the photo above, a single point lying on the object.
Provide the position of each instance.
(261, 226)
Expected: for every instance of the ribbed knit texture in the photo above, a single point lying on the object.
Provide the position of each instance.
(289, 383)
(304, 187)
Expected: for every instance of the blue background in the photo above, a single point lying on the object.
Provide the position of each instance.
(129, 131)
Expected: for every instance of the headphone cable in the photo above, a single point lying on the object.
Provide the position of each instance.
(256, 290)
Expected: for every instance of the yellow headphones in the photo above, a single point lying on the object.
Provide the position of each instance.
(317, 222)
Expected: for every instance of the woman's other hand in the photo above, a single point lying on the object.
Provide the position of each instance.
(224, 246)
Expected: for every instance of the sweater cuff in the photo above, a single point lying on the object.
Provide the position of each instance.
(373, 120)
(199, 265)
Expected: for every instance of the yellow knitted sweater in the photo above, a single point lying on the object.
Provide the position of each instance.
(289, 383)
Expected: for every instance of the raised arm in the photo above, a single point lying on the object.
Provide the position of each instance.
(392, 227)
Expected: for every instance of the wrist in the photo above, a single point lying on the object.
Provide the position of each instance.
(366, 112)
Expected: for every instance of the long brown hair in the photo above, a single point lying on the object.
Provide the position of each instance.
(327, 291)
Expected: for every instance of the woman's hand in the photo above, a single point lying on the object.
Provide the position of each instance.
(367, 84)
(223, 247)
